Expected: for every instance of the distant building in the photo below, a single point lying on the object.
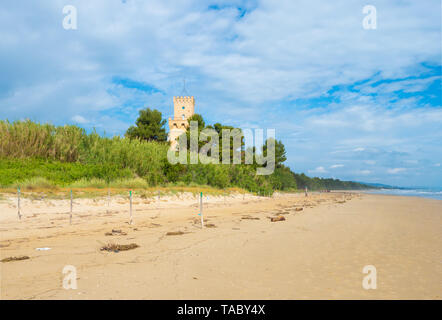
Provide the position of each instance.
(183, 108)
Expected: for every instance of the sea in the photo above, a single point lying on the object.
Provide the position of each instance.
(433, 193)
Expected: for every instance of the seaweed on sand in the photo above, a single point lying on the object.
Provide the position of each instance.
(10, 259)
(113, 247)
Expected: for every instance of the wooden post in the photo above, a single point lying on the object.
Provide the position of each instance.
(18, 203)
(130, 201)
(70, 216)
(201, 210)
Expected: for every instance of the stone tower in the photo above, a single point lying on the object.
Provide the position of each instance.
(183, 108)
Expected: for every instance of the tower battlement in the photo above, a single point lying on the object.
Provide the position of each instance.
(186, 99)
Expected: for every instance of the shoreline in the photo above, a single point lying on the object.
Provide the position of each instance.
(430, 195)
(317, 252)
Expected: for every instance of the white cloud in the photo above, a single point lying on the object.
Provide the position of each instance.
(79, 119)
(336, 166)
(396, 170)
(290, 50)
(408, 86)
(318, 170)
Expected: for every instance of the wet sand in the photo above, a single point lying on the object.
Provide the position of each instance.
(315, 253)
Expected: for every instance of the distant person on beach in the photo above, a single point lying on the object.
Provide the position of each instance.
(306, 194)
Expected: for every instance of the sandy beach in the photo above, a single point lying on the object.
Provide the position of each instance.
(317, 252)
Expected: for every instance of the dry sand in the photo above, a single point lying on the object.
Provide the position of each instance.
(315, 253)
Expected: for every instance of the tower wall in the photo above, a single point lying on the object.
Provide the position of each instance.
(184, 108)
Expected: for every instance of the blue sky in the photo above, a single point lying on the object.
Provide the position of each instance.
(347, 102)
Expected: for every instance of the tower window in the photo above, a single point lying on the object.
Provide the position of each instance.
(183, 116)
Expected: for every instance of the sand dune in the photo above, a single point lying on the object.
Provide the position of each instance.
(317, 251)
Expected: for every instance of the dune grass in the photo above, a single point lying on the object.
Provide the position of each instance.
(40, 188)
(35, 183)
